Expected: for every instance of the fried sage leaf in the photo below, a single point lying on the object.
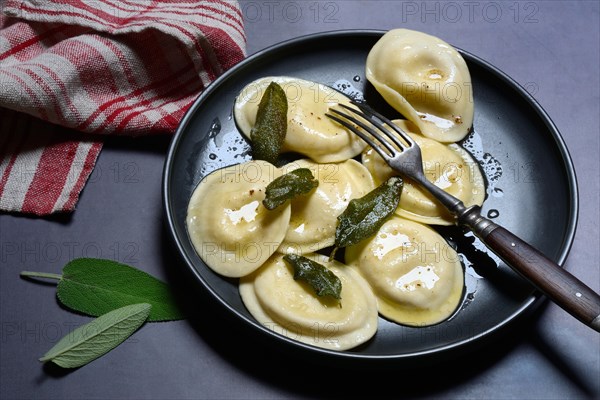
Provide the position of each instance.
(321, 279)
(270, 128)
(286, 187)
(98, 337)
(363, 217)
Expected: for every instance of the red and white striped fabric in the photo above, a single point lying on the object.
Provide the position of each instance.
(99, 67)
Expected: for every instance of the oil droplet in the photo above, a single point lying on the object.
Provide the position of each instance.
(490, 166)
(493, 213)
(497, 192)
(356, 78)
(468, 299)
(212, 156)
(215, 128)
(346, 87)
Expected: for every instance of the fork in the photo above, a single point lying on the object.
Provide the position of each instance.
(402, 154)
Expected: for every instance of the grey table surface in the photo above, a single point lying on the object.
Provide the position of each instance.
(549, 47)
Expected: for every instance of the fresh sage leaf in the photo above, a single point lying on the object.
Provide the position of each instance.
(321, 279)
(96, 286)
(98, 337)
(270, 128)
(363, 217)
(295, 183)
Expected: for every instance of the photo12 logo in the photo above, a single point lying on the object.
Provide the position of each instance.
(470, 11)
(237, 252)
(318, 332)
(61, 252)
(326, 12)
(252, 173)
(296, 91)
(42, 332)
(424, 92)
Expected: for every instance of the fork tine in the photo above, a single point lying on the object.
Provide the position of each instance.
(360, 133)
(368, 110)
(374, 134)
(364, 114)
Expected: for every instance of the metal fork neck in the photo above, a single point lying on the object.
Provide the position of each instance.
(480, 225)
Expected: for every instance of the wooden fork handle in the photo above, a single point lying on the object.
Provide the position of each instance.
(555, 282)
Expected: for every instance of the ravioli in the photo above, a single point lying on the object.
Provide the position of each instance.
(228, 225)
(450, 167)
(314, 216)
(309, 132)
(416, 276)
(426, 80)
(292, 308)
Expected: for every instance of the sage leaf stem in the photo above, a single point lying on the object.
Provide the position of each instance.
(49, 275)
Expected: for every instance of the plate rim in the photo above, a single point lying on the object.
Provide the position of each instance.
(527, 306)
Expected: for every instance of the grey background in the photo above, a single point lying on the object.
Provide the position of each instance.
(549, 47)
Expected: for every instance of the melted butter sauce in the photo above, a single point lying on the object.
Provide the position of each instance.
(441, 123)
(247, 213)
(417, 277)
(387, 242)
(445, 180)
(300, 228)
(220, 148)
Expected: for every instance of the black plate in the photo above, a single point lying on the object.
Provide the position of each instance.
(532, 188)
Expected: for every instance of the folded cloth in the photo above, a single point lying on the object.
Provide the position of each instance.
(98, 67)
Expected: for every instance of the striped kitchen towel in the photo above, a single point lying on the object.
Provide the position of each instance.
(70, 70)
